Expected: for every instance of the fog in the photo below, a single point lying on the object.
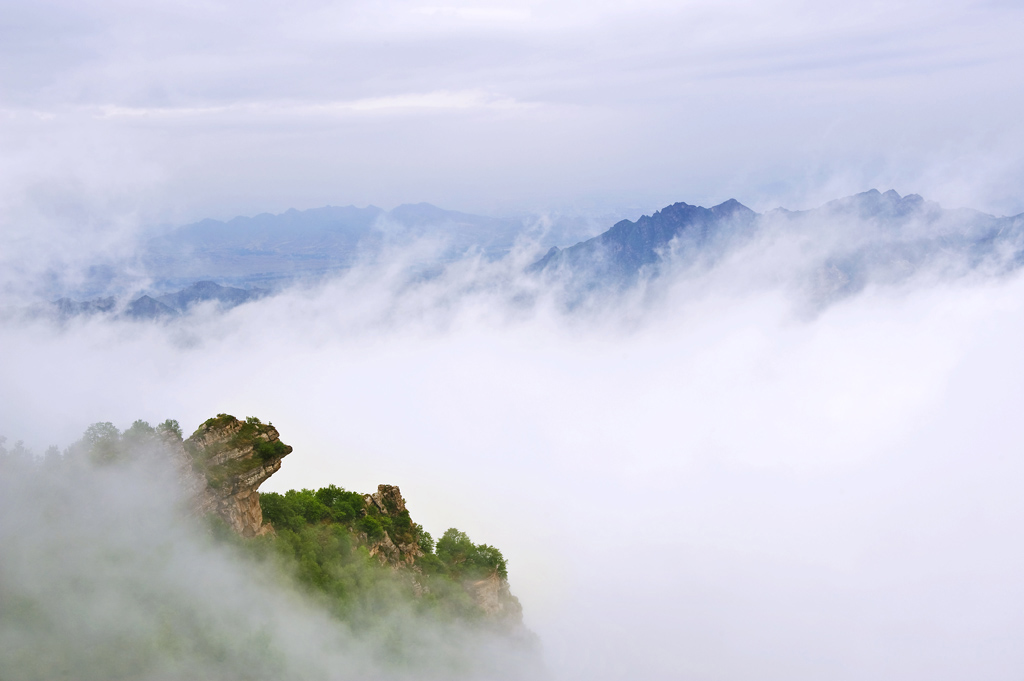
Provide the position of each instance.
(712, 477)
(738, 470)
(105, 575)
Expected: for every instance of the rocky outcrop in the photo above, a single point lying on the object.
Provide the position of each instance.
(493, 595)
(387, 499)
(222, 465)
(403, 548)
(231, 459)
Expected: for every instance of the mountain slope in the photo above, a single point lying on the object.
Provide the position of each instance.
(836, 249)
(206, 291)
(620, 253)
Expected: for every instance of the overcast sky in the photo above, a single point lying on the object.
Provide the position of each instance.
(127, 113)
(715, 487)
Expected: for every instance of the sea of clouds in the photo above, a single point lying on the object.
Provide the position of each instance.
(711, 476)
(729, 473)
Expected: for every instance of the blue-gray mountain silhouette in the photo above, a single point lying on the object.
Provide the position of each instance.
(161, 307)
(206, 291)
(146, 307)
(871, 236)
(624, 250)
(318, 241)
(835, 250)
(66, 307)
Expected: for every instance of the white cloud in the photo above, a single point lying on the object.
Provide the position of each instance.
(429, 101)
(713, 487)
(711, 484)
(531, 105)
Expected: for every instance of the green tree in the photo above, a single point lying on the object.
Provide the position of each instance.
(138, 435)
(103, 441)
(170, 427)
(464, 558)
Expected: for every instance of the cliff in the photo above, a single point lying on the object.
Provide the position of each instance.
(493, 595)
(232, 459)
(223, 464)
(387, 501)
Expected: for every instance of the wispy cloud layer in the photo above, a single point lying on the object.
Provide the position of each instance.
(525, 105)
(707, 482)
(703, 480)
(429, 101)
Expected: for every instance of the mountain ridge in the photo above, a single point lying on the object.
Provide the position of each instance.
(879, 234)
(871, 235)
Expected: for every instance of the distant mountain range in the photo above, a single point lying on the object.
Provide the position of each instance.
(269, 248)
(165, 306)
(626, 248)
(844, 244)
(839, 248)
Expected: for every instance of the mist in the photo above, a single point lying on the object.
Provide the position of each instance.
(106, 575)
(793, 455)
(712, 475)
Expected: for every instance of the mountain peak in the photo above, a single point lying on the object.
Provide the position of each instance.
(629, 246)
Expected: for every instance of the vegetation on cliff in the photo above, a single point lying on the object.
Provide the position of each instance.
(106, 575)
(104, 443)
(329, 540)
(359, 555)
(212, 459)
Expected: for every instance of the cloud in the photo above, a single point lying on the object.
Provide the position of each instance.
(702, 482)
(702, 479)
(518, 105)
(471, 99)
(105, 578)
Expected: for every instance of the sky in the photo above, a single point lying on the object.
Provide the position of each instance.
(121, 114)
(716, 483)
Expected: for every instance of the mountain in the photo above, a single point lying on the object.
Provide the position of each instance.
(206, 291)
(317, 241)
(830, 251)
(146, 307)
(885, 238)
(145, 555)
(165, 306)
(837, 248)
(66, 307)
(222, 465)
(620, 253)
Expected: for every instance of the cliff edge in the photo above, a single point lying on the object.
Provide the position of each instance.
(231, 459)
(223, 464)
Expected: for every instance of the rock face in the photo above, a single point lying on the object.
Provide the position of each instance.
(388, 501)
(234, 457)
(495, 598)
(222, 465)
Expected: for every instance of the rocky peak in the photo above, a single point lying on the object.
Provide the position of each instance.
(223, 464)
(388, 500)
(403, 548)
(235, 457)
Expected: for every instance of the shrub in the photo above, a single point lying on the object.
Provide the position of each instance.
(268, 451)
(372, 526)
(464, 558)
